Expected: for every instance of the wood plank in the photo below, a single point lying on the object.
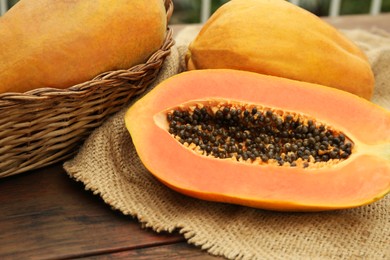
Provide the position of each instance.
(44, 214)
(171, 252)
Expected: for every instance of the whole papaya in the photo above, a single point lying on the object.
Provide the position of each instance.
(61, 43)
(275, 37)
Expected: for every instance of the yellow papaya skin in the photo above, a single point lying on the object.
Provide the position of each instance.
(275, 37)
(61, 43)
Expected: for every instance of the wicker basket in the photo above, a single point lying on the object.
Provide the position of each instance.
(46, 125)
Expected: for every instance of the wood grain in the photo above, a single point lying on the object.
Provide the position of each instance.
(45, 214)
(172, 252)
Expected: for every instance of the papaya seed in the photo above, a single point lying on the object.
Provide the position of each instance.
(257, 135)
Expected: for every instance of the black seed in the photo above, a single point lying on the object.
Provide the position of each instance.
(250, 131)
(233, 149)
(233, 112)
(325, 158)
(294, 147)
(177, 113)
(293, 157)
(288, 118)
(293, 164)
(254, 111)
(228, 116)
(333, 154)
(196, 140)
(219, 114)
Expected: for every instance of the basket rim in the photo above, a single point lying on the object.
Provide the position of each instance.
(7, 98)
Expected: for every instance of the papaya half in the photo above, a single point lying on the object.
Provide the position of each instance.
(263, 141)
(275, 37)
(61, 43)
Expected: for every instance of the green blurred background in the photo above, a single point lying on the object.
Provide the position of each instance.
(188, 11)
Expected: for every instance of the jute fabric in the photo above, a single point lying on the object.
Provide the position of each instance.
(108, 166)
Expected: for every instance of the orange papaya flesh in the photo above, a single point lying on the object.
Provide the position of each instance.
(361, 176)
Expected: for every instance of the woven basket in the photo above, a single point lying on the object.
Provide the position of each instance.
(46, 125)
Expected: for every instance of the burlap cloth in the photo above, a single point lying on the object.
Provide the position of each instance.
(108, 166)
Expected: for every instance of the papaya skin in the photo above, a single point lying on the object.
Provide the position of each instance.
(280, 39)
(361, 179)
(62, 43)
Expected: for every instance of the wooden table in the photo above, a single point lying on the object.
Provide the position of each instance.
(46, 215)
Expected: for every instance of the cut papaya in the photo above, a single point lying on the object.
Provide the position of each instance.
(262, 141)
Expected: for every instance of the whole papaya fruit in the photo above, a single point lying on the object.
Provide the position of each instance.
(275, 37)
(61, 43)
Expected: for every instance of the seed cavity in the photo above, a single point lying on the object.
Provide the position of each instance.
(255, 134)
